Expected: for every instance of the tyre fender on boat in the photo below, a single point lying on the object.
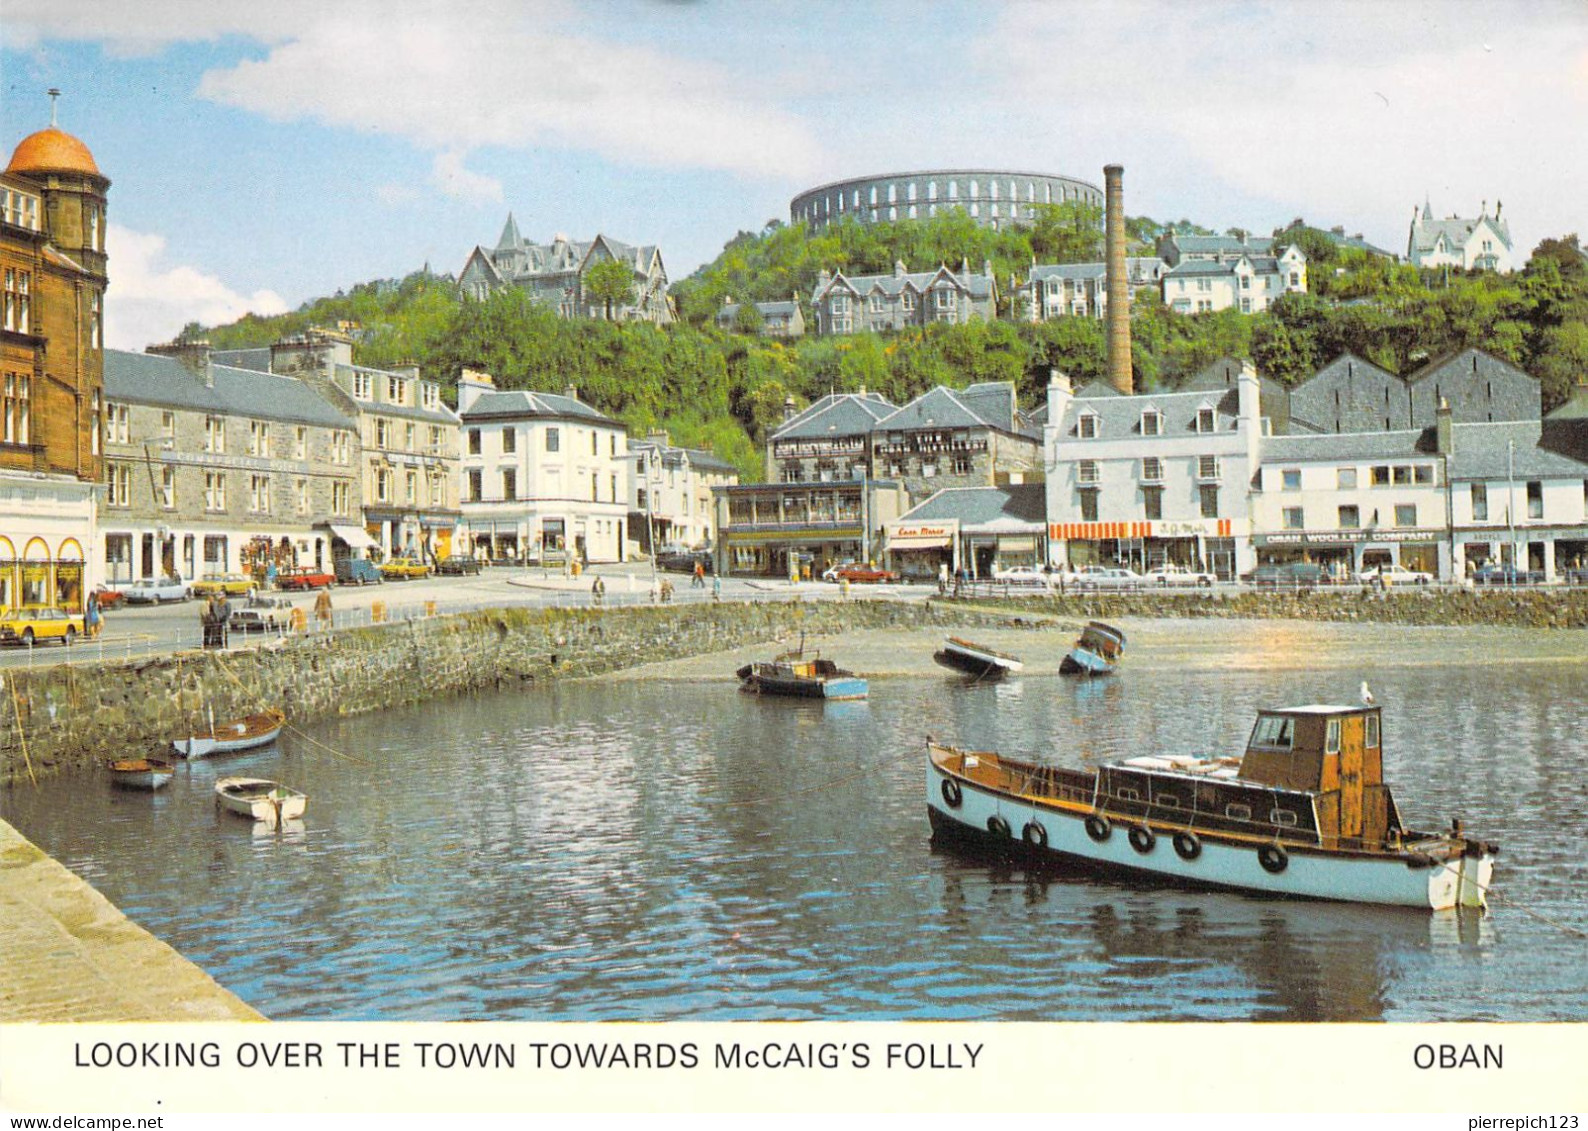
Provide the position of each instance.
(1097, 827)
(1142, 839)
(951, 793)
(1273, 859)
(1187, 845)
(1035, 835)
(998, 826)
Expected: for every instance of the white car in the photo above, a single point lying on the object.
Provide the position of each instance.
(1392, 574)
(153, 590)
(1167, 576)
(1096, 577)
(1024, 575)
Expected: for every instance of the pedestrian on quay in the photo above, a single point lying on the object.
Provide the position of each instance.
(91, 616)
(322, 610)
(699, 580)
(598, 590)
(716, 588)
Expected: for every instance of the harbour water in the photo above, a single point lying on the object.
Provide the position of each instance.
(661, 847)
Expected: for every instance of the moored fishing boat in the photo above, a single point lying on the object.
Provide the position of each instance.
(1096, 651)
(1303, 813)
(260, 729)
(976, 660)
(260, 799)
(140, 773)
(793, 674)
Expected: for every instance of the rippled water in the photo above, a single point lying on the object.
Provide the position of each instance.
(662, 850)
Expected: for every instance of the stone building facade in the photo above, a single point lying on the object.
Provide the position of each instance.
(52, 255)
(947, 438)
(844, 304)
(211, 469)
(556, 275)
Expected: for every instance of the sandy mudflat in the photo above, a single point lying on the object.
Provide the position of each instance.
(1154, 644)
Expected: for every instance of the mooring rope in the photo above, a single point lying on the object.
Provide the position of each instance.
(287, 726)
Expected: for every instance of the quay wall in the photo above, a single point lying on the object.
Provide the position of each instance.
(75, 717)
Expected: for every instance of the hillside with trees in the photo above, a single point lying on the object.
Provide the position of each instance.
(726, 388)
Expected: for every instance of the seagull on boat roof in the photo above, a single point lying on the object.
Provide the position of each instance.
(1367, 696)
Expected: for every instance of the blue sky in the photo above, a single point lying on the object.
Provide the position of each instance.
(264, 153)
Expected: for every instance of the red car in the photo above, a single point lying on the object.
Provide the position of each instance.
(860, 572)
(305, 577)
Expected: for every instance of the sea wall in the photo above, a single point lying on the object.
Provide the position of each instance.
(75, 717)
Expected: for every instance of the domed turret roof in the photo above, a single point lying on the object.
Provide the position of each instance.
(52, 151)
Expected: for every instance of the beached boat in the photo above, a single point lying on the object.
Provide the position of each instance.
(259, 729)
(1303, 813)
(140, 773)
(260, 799)
(1095, 652)
(975, 660)
(794, 674)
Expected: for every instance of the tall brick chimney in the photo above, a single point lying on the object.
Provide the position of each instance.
(1119, 372)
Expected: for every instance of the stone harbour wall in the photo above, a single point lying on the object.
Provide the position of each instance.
(75, 717)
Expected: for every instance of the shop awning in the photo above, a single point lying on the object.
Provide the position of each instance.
(919, 542)
(354, 536)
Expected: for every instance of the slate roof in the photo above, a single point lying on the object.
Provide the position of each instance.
(1478, 451)
(153, 379)
(521, 403)
(987, 405)
(1136, 266)
(1191, 268)
(1223, 245)
(1119, 416)
(673, 456)
(977, 284)
(1013, 507)
(1456, 230)
(1342, 447)
(837, 414)
(257, 359)
(443, 415)
(769, 310)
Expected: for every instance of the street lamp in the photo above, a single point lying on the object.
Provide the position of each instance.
(652, 459)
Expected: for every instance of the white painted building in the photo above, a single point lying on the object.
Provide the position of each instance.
(545, 476)
(1153, 477)
(1248, 283)
(1465, 243)
(669, 490)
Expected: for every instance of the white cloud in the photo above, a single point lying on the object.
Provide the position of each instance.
(150, 300)
(449, 175)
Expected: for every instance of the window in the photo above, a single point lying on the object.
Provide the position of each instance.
(615, 494)
(1535, 499)
(1089, 506)
(1152, 470)
(258, 438)
(1205, 420)
(1371, 737)
(553, 440)
(17, 415)
(1152, 502)
(1346, 478)
(1209, 498)
(119, 430)
(1274, 731)
(435, 438)
(874, 302)
(1291, 477)
(961, 465)
(474, 441)
(383, 485)
(1380, 477)
(214, 490)
(96, 422)
(1405, 514)
(1152, 423)
(342, 447)
(1331, 740)
(1480, 502)
(341, 496)
(259, 494)
(509, 483)
(18, 309)
(382, 433)
(408, 436)
(1207, 467)
(361, 384)
(300, 442)
(432, 395)
(215, 434)
(1087, 426)
(1294, 518)
(595, 488)
(118, 485)
(595, 443)
(1350, 518)
(300, 491)
(1086, 472)
(168, 488)
(395, 390)
(928, 469)
(411, 488)
(473, 485)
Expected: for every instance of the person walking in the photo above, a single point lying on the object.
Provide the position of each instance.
(699, 580)
(322, 610)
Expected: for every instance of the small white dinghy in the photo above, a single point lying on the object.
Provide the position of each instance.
(260, 799)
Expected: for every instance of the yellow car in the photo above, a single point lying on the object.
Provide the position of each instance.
(230, 585)
(26, 626)
(404, 569)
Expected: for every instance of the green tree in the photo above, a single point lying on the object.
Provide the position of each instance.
(609, 282)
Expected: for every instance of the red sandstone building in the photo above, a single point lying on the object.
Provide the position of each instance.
(52, 257)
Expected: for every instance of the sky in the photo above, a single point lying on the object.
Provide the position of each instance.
(268, 152)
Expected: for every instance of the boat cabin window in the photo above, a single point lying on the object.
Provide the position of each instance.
(1128, 794)
(1331, 742)
(1286, 817)
(1238, 812)
(1167, 800)
(1273, 730)
(1372, 730)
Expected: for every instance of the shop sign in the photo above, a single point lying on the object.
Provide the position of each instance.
(1345, 537)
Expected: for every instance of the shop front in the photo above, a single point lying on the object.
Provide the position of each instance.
(1213, 545)
(921, 551)
(1344, 554)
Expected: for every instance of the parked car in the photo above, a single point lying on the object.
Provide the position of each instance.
(305, 577)
(254, 620)
(1108, 577)
(357, 571)
(1493, 574)
(227, 585)
(404, 569)
(1392, 574)
(459, 565)
(684, 561)
(831, 572)
(1169, 576)
(1286, 575)
(26, 626)
(1025, 575)
(153, 590)
(862, 573)
(110, 598)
